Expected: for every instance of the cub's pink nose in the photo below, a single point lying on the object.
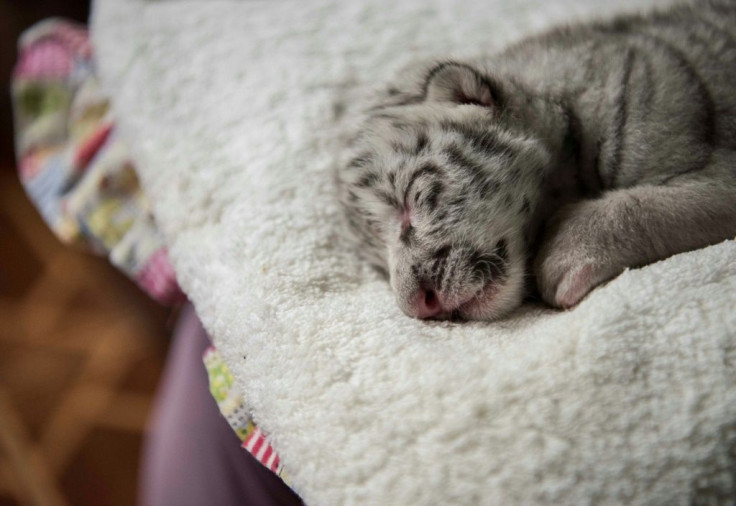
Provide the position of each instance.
(427, 304)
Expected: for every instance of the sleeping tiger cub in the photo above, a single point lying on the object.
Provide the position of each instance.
(564, 160)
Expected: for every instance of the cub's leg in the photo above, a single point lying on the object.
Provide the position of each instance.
(592, 241)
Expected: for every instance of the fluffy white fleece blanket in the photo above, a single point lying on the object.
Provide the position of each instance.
(235, 111)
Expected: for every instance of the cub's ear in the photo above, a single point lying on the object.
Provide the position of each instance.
(458, 83)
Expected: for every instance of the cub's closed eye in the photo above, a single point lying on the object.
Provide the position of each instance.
(467, 100)
(431, 195)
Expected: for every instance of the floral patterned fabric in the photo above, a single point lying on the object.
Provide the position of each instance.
(73, 164)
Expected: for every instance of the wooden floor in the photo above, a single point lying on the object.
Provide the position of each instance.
(81, 351)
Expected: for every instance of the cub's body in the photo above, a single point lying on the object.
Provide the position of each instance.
(585, 150)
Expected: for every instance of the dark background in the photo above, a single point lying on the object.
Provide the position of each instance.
(16, 16)
(81, 347)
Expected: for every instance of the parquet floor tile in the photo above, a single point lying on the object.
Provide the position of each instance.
(81, 352)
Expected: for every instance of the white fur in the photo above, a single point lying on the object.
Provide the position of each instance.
(628, 399)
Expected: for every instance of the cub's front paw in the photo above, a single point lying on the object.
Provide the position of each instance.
(565, 285)
(574, 258)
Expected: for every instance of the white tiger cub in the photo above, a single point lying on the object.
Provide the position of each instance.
(571, 155)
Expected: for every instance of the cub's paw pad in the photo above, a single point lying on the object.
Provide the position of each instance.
(574, 285)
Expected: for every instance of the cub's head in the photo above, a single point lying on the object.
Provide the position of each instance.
(439, 187)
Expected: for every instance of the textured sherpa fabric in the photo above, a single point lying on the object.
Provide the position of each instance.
(235, 112)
